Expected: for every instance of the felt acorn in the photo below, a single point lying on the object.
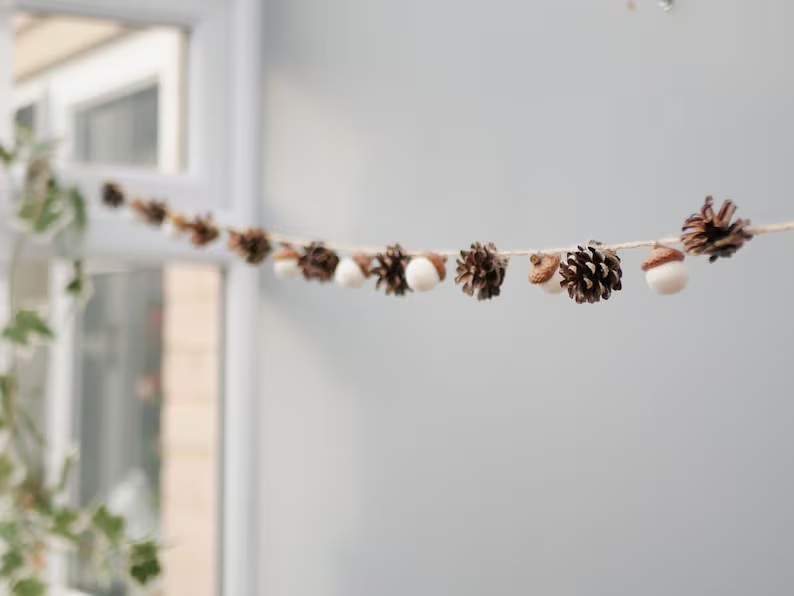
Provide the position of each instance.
(176, 225)
(665, 270)
(545, 273)
(426, 272)
(285, 263)
(351, 272)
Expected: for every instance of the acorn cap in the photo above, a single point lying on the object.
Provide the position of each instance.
(179, 221)
(286, 253)
(661, 255)
(439, 262)
(364, 262)
(545, 267)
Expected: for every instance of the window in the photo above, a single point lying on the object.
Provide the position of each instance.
(147, 413)
(113, 91)
(205, 62)
(120, 131)
(26, 116)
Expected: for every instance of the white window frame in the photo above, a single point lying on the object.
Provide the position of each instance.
(224, 128)
(132, 63)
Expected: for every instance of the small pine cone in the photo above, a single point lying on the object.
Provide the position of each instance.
(390, 270)
(318, 262)
(591, 273)
(113, 195)
(203, 230)
(715, 235)
(151, 212)
(481, 269)
(252, 245)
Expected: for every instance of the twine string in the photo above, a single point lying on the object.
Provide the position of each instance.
(354, 249)
(372, 251)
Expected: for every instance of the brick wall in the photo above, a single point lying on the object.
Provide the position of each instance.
(191, 421)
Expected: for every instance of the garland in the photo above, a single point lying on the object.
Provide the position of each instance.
(590, 273)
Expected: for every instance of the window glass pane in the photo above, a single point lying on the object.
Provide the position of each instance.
(113, 91)
(122, 130)
(26, 116)
(147, 416)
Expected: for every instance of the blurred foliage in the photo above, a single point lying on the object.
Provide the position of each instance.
(35, 519)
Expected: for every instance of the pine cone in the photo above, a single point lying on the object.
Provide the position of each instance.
(151, 212)
(252, 245)
(203, 230)
(113, 195)
(318, 262)
(390, 270)
(481, 269)
(715, 235)
(591, 274)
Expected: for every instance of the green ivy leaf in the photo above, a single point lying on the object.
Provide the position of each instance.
(9, 532)
(144, 562)
(7, 156)
(77, 202)
(26, 327)
(41, 214)
(6, 394)
(112, 526)
(30, 586)
(75, 286)
(63, 521)
(79, 286)
(11, 562)
(6, 471)
(66, 470)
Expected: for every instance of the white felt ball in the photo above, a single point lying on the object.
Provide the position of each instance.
(669, 278)
(349, 274)
(136, 216)
(552, 285)
(286, 268)
(421, 274)
(170, 230)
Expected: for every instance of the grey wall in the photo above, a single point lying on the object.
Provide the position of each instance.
(435, 445)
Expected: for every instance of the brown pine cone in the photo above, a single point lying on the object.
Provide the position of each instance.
(591, 273)
(113, 195)
(203, 230)
(715, 235)
(252, 245)
(318, 262)
(390, 270)
(151, 212)
(481, 269)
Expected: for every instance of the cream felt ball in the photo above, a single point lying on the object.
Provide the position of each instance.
(669, 278)
(665, 270)
(553, 285)
(285, 264)
(425, 273)
(349, 274)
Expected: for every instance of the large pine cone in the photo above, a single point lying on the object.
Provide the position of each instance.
(481, 269)
(252, 245)
(390, 270)
(715, 235)
(591, 273)
(318, 262)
